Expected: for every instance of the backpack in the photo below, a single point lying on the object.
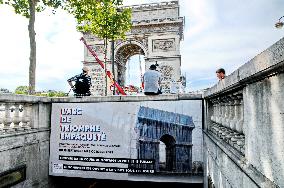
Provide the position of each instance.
(82, 85)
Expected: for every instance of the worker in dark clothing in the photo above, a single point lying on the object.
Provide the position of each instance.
(82, 83)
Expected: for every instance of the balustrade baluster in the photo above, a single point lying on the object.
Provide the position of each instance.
(26, 117)
(223, 112)
(219, 113)
(227, 112)
(2, 117)
(231, 110)
(239, 125)
(213, 117)
(7, 118)
(16, 119)
(234, 112)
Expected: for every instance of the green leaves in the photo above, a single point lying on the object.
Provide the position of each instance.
(22, 6)
(22, 90)
(102, 18)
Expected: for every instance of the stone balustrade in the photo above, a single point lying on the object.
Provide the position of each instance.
(226, 121)
(20, 113)
(15, 116)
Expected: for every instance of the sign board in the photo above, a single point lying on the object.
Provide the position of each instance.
(125, 140)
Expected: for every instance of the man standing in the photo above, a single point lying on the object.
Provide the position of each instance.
(152, 81)
(82, 83)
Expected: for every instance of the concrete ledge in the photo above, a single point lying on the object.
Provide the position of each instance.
(270, 57)
(94, 99)
(130, 98)
(190, 96)
(23, 98)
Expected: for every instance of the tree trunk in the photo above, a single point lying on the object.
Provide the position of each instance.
(32, 68)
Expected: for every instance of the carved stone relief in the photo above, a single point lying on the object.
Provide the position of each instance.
(167, 74)
(98, 80)
(164, 45)
(156, 29)
(98, 48)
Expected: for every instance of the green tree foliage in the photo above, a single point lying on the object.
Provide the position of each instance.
(102, 18)
(51, 93)
(22, 7)
(22, 90)
(28, 8)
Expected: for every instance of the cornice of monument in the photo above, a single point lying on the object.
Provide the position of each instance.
(158, 21)
(153, 6)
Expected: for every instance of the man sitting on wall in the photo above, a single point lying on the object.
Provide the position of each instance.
(152, 81)
(82, 83)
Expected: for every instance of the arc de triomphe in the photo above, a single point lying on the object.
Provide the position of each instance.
(156, 33)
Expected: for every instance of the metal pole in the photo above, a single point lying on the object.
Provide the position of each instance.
(113, 71)
(106, 53)
(106, 66)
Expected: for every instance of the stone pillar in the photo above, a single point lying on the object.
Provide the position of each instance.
(226, 122)
(26, 116)
(231, 111)
(239, 125)
(223, 112)
(7, 118)
(219, 111)
(235, 112)
(17, 119)
(2, 119)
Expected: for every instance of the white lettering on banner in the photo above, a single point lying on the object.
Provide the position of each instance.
(71, 111)
(83, 136)
(78, 132)
(80, 128)
(64, 119)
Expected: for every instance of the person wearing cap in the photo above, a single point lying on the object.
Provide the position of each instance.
(152, 81)
(83, 83)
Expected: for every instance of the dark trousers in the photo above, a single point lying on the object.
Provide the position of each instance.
(153, 93)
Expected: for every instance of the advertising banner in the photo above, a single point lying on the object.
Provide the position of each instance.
(126, 140)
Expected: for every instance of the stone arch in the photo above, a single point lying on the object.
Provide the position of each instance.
(131, 42)
(123, 52)
(158, 30)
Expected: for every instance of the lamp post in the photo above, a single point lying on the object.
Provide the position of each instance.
(280, 23)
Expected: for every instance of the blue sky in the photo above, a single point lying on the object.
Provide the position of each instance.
(218, 33)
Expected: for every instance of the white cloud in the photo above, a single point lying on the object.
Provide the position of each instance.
(199, 16)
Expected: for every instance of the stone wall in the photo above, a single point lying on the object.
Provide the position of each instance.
(24, 137)
(244, 133)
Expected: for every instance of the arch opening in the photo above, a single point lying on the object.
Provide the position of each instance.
(167, 153)
(130, 61)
